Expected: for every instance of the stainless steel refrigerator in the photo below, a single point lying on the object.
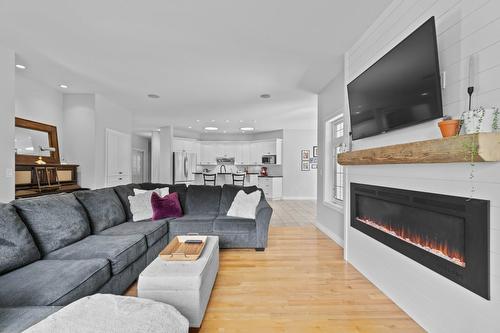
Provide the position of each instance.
(184, 167)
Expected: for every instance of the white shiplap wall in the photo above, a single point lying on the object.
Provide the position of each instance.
(465, 28)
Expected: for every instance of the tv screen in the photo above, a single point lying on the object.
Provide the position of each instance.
(401, 89)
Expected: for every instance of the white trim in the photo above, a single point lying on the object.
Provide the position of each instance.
(330, 234)
(333, 205)
(299, 198)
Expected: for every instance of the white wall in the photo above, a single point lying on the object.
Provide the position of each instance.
(112, 116)
(79, 133)
(7, 97)
(298, 184)
(144, 144)
(464, 28)
(330, 217)
(38, 102)
(86, 117)
(166, 154)
(155, 157)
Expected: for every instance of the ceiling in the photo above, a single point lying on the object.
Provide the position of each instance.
(207, 60)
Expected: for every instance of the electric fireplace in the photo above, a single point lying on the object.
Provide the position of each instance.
(447, 234)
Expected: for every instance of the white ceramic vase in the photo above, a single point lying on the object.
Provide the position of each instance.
(481, 120)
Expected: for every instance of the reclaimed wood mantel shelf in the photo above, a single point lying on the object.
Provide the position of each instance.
(482, 147)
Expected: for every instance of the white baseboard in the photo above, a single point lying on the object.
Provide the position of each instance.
(299, 198)
(330, 234)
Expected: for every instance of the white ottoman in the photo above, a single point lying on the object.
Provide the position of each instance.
(113, 314)
(186, 285)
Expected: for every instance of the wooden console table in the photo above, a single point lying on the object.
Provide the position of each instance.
(34, 180)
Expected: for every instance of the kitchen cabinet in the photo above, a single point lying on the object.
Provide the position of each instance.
(244, 152)
(187, 145)
(272, 187)
(207, 153)
(118, 158)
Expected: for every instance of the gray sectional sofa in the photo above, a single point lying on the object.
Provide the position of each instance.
(56, 249)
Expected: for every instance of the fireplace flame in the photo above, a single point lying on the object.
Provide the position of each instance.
(440, 249)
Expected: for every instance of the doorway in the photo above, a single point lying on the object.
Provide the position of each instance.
(137, 166)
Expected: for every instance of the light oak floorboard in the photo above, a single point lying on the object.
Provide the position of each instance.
(301, 283)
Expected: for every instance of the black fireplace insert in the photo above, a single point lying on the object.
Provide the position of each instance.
(447, 234)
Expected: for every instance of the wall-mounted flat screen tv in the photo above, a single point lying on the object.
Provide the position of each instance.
(402, 88)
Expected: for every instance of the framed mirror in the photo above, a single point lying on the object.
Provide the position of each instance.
(34, 140)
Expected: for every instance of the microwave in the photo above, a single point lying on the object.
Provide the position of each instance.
(268, 159)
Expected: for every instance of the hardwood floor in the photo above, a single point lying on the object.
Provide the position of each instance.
(299, 284)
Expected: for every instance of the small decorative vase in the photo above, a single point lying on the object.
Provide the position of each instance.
(449, 127)
(481, 120)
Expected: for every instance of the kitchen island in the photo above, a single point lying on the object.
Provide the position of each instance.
(227, 178)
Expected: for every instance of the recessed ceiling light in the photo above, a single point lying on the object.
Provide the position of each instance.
(197, 120)
(190, 127)
(247, 129)
(265, 96)
(227, 120)
(20, 66)
(211, 128)
(241, 121)
(153, 96)
(255, 121)
(213, 120)
(64, 86)
(225, 131)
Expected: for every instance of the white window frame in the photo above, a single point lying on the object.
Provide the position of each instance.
(330, 161)
(338, 144)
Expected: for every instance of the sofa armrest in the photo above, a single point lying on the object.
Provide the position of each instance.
(263, 215)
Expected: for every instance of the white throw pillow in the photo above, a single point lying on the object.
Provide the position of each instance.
(244, 205)
(140, 206)
(161, 191)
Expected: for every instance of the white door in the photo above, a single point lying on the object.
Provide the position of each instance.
(137, 166)
(118, 158)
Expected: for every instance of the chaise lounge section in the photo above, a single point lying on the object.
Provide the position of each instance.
(59, 248)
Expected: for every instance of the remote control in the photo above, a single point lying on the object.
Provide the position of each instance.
(193, 241)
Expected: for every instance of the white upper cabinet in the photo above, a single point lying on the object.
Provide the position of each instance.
(207, 153)
(187, 145)
(244, 152)
(268, 147)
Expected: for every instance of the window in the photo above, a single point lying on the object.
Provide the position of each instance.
(338, 141)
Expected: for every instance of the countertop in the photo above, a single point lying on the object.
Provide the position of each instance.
(224, 173)
(270, 176)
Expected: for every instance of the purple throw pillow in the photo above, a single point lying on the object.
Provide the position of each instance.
(168, 206)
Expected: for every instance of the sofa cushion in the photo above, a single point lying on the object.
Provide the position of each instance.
(121, 251)
(103, 207)
(192, 223)
(228, 224)
(17, 319)
(228, 194)
(53, 282)
(202, 200)
(152, 230)
(55, 221)
(123, 192)
(17, 247)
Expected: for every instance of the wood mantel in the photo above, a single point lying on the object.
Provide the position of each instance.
(454, 149)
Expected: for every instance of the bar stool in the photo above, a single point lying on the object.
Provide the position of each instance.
(209, 179)
(239, 179)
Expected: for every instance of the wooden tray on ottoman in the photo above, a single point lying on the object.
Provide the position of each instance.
(178, 250)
